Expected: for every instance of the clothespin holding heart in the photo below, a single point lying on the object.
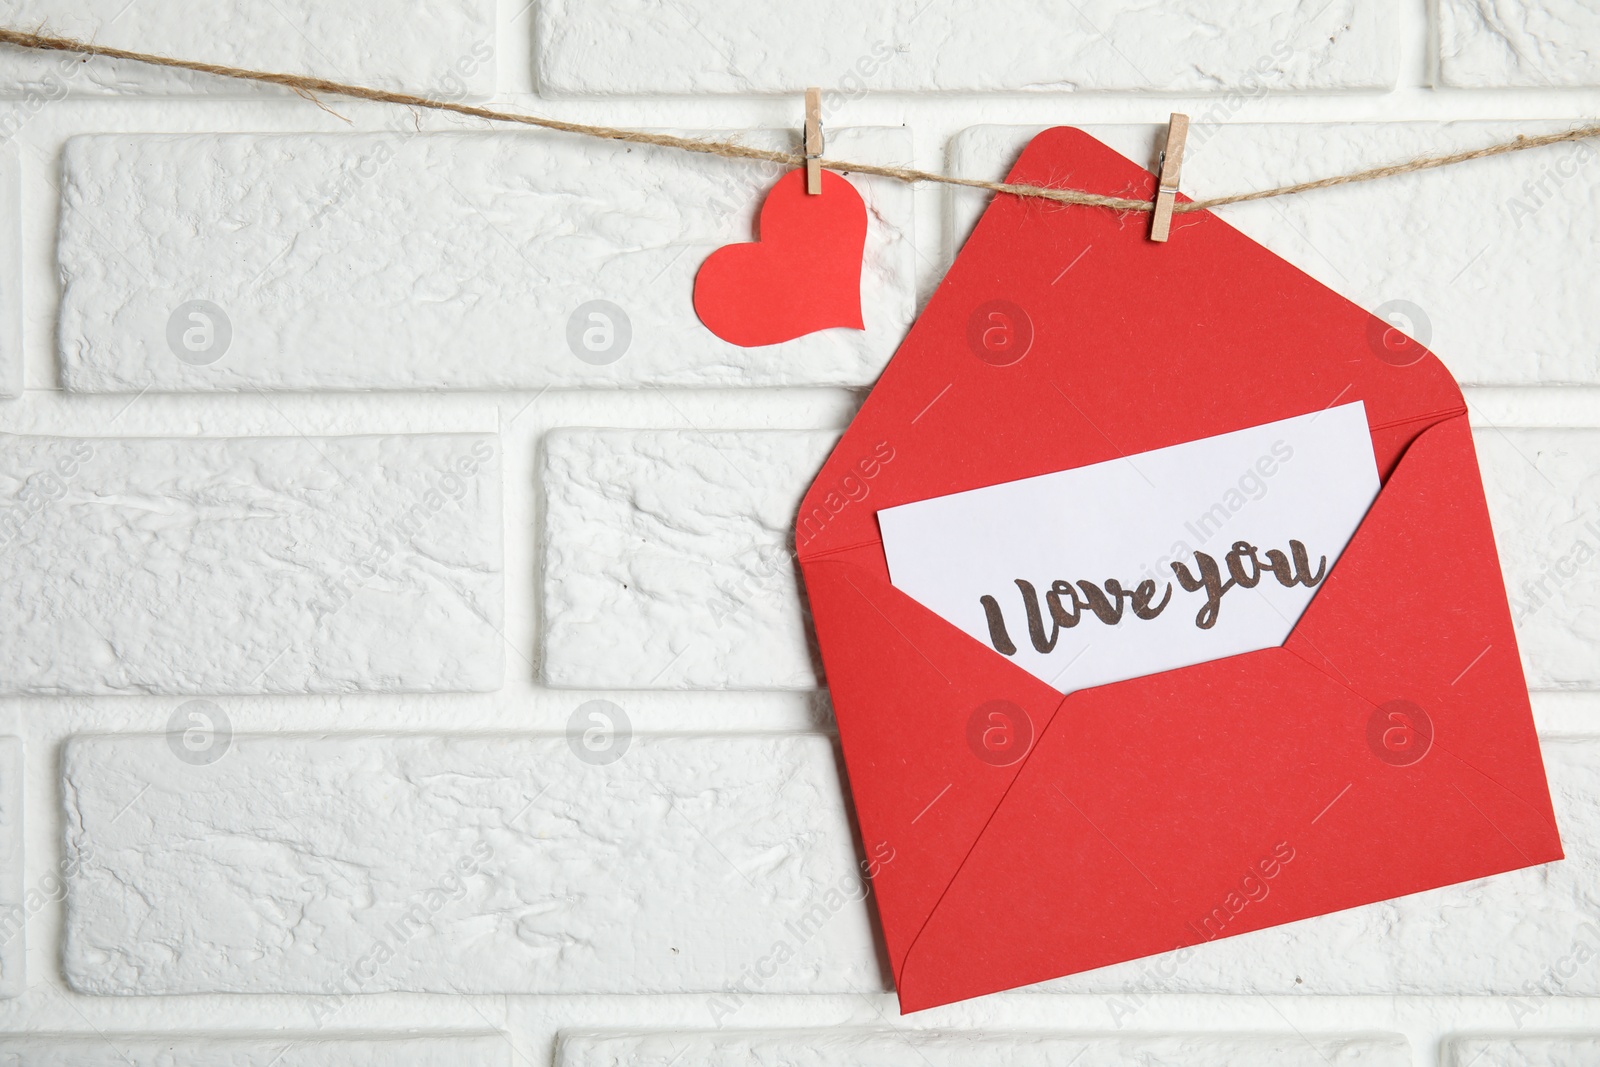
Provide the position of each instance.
(813, 143)
(1171, 168)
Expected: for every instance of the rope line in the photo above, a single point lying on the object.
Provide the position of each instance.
(308, 87)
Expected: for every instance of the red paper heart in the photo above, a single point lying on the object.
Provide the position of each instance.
(801, 274)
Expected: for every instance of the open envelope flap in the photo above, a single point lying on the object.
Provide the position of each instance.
(1415, 616)
(1149, 812)
(1137, 346)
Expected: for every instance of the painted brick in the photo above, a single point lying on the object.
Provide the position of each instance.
(1544, 496)
(422, 48)
(17, 905)
(400, 260)
(668, 566)
(1503, 301)
(932, 1048)
(10, 275)
(668, 559)
(249, 565)
(1485, 43)
(697, 46)
(1522, 1051)
(278, 1050)
(460, 865)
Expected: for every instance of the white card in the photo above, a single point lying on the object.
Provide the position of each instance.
(1071, 575)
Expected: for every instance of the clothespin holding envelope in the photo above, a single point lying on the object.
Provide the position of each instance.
(1171, 167)
(813, 145)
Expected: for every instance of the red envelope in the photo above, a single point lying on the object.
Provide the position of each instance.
(1386, 748)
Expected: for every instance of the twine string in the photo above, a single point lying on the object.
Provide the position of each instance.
(309, 86)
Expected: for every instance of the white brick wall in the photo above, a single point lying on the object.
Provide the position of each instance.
(947, 45)
(226, 816)
(1518, 42)
(1523, 1051)
(288, 1050)
(459, 865)
(16, 905)
(844, 1049)
(10, 276)
(1544, 498)
(252, 565)
(440, 48)
(669, 561)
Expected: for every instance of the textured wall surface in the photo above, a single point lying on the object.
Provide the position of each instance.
(14, 907)
(945, 45)
(394, 44)
(941, 1049)
(456, 865)
(277, 1050)
(676, 546)
(1518, 42)
(250, 565)
(402, 657)
(1524, 1052)
(10, 276)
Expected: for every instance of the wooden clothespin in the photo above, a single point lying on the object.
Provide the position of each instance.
(1171, 168)
(813, 141)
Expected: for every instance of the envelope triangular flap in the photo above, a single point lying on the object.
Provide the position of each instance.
(920, 794)
(1137, 346)
(1107, 345)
